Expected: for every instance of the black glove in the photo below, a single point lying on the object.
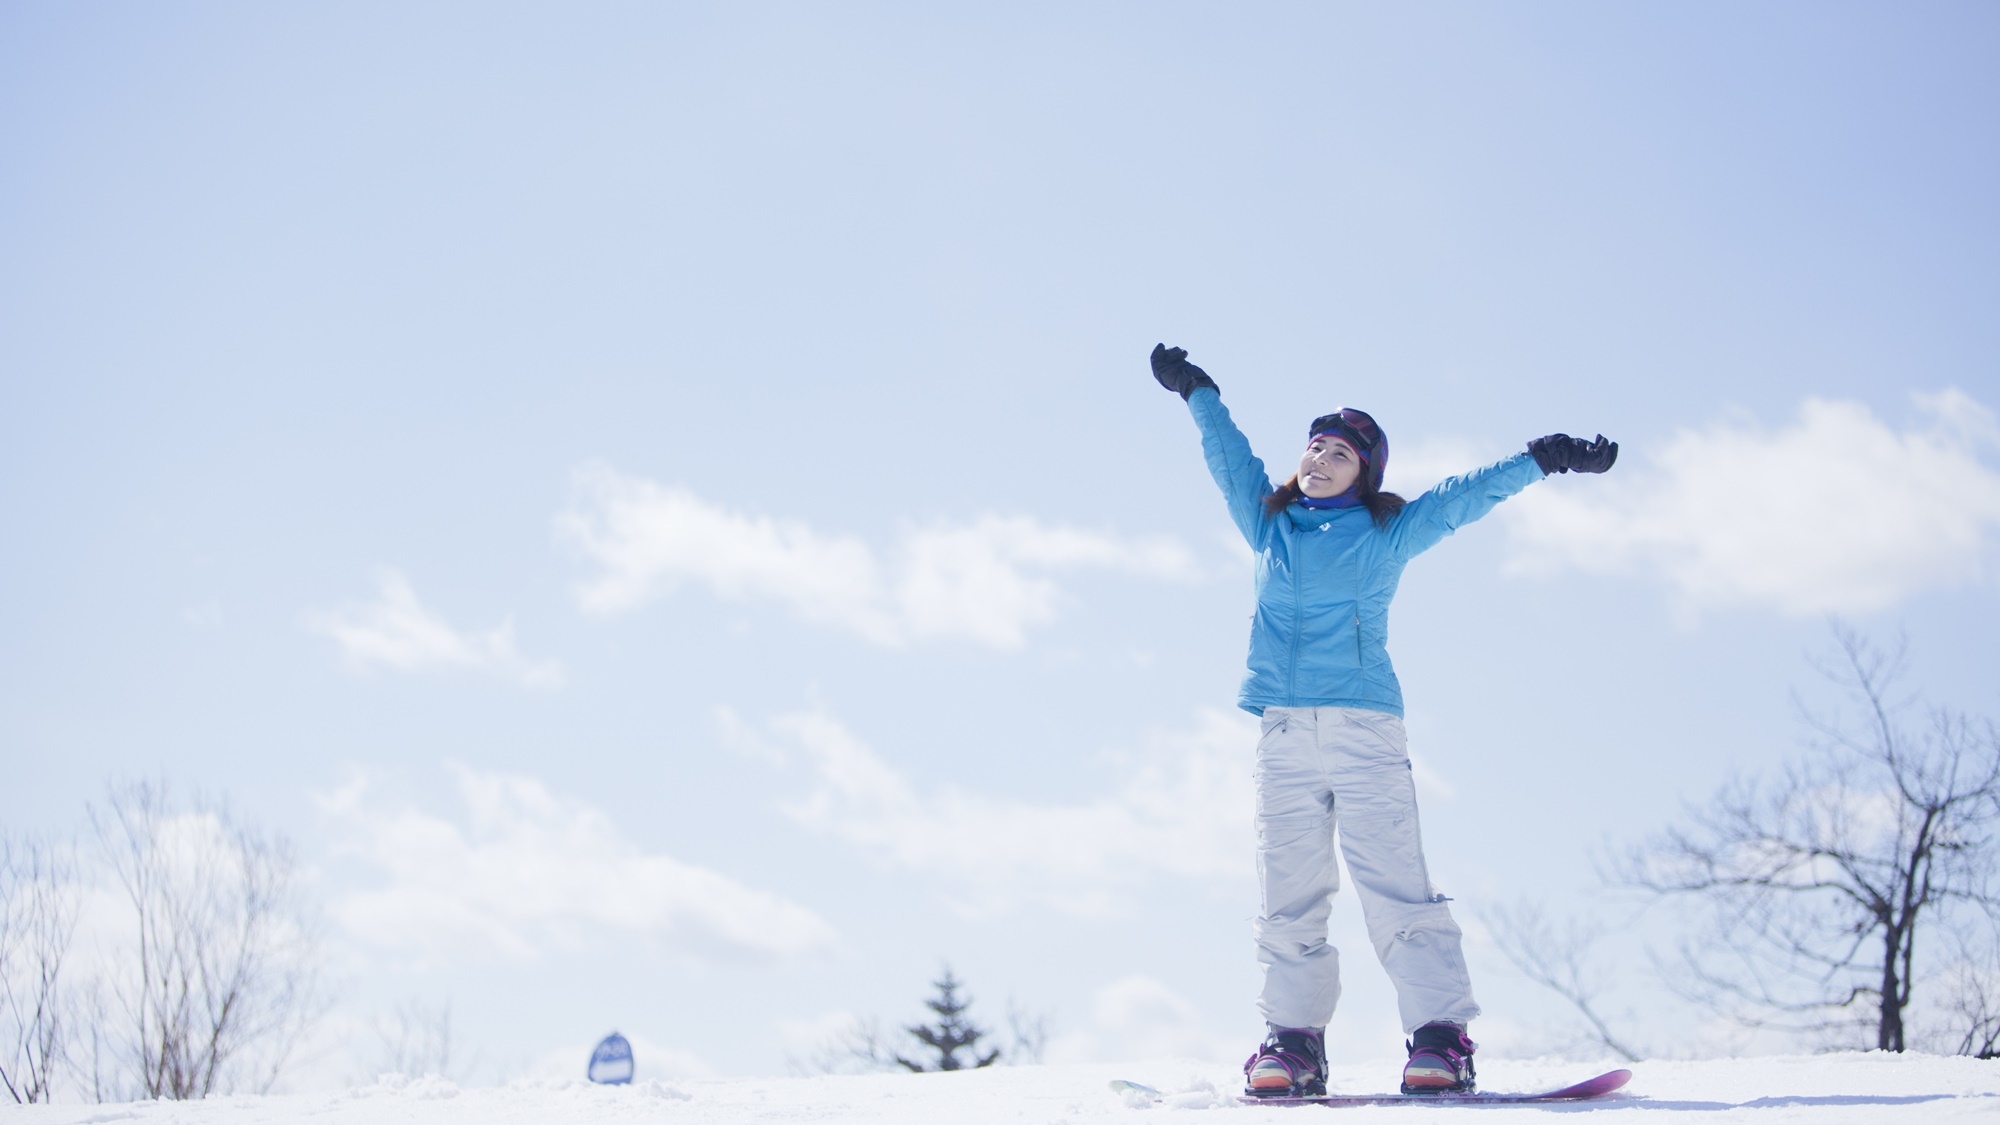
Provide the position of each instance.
(1171, 368)
(1561, 453)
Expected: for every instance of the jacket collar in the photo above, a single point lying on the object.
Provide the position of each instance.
(1310, 519)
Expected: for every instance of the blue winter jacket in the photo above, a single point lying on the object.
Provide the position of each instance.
(1325, 577)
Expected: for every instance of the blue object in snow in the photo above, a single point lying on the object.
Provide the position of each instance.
(611, 1062)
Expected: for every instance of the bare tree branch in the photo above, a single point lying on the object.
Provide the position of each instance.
(1970, 1022)
(416, 1040)
(1558, 961)
(223, 979)
(859, 1046)
(39, 898)
(1028, 1033)
(1820, 883)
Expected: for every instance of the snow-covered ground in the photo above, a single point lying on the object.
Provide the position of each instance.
(1834, 1089)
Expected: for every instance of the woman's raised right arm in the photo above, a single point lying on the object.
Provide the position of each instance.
(1236, 470)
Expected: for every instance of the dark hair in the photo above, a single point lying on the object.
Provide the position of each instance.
(1382, 506)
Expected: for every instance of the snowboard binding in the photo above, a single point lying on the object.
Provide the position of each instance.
(1291, 1063)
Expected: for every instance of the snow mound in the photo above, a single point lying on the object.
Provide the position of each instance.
(427, 1087)
(1842, 1089)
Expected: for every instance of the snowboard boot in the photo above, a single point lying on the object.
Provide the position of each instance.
(1290, 1064)
(1440, 1060)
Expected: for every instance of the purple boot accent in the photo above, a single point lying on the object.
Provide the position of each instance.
(1291, 1063)
(1440, 1060)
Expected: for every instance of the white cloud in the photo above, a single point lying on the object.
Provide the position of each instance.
(1421, 464)
(1183, 809)
(1136, 1019)
(986, 581)
(530, 870)
(397, 632)
(1836, 512)
(801, 1038)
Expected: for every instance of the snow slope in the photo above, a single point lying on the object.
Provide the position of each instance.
(1832, 1089)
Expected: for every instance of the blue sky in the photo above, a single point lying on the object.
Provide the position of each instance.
(667, 504)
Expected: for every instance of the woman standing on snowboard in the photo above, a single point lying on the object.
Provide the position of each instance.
(1331, 546)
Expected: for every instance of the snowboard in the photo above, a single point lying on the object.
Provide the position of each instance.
(1589, 1088)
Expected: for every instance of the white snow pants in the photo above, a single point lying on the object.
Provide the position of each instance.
(1322, 766)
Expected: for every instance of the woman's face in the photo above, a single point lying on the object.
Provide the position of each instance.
(1329, 467)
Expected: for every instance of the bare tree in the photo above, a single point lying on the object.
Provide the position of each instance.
(1028, 1033)
(223, 981)
(859, 1046)
(38, 911)
(1821, 884)
(1970, 1018)
(93, 1049)
(416, 1039)
(1558, 959)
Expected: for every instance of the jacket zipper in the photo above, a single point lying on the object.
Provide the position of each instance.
(1298, 623)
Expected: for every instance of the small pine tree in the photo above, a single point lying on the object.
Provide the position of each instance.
(952, 1033)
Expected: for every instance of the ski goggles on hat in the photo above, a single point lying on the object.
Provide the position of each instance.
(1353, 426)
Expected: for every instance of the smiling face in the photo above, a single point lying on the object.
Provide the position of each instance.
(1330, 467)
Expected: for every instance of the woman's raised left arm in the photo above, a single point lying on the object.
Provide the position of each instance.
(1458, 501)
